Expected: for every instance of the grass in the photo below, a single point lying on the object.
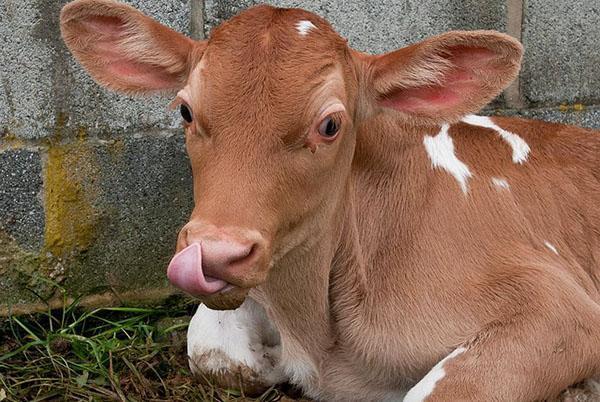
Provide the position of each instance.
(112, 354)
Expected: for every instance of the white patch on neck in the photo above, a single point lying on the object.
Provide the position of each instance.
(500, 183)
(426, 386)
(551, 247)
(304, 27)
(441, 153)
(519, 146)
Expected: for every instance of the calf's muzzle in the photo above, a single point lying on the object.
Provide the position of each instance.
(214, 260)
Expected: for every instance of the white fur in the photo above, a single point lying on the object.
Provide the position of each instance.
(441, 153)
(551, 247)
(298, 366)
(426, 386)
(244, 336)
(520, 149)
(304, 27)
(500, 183)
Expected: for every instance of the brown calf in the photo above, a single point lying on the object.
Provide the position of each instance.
(375, 233)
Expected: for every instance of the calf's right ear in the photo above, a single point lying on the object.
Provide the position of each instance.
(124, 49)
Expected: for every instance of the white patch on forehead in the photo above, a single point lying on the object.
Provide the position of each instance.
(304, 27)
(441, 153)
(520, 149)
(426, 386)
(500, 183)
(551, 247)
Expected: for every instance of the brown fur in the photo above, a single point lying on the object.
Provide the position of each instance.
(376, 266)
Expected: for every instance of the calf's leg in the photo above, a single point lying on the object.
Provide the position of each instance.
(531, 358)
(235, 348)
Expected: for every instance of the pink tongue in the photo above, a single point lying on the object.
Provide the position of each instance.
(185, 272)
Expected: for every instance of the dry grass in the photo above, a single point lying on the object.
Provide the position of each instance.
(110, 354)
(120, 354)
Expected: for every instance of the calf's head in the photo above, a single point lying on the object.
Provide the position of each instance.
(273, 105)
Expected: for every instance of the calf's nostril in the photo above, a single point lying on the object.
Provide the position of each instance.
(218, 255)
(247, 256)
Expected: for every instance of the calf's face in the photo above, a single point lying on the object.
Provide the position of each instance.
(271, 106)
(269, 151)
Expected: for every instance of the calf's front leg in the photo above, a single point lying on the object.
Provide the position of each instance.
(235, 349)
(527, 360)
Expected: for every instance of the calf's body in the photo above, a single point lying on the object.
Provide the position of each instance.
(369, 235)
(415, 268)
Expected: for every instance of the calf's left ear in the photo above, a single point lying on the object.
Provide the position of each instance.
(444, 77)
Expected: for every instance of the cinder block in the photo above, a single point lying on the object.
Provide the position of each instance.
(562, 59)
(112, 209)
(21, 205)
(383, 25)
(145, 196)
(46, 93)
(127, 201)
(578, 115)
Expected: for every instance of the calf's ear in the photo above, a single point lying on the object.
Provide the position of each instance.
(124, 49)
(445, 77)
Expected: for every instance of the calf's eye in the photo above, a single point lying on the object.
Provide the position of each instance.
(329, 127)
(186, 113)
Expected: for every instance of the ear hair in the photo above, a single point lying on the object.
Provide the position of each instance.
(445, 77)
(124, 49)
(428, 68)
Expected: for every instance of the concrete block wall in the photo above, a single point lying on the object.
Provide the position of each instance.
(94, 185)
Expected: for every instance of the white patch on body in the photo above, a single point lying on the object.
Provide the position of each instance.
(551, 247)
(243, 336)
(500, 183)
(426, 386)
(304, 27)
(441, 153)
(520, 149)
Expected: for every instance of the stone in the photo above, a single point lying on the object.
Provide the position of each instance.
(145, 187)
(112, 208)
(577, 115)
(384, 25)
(562, 61)
(47, 94)
(21, 204)
(128, 199)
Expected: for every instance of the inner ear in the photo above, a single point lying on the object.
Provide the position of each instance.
(126, 50)
(103, 25)
(446, 77)
(457, 82)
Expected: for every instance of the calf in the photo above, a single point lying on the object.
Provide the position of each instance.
(363, 231)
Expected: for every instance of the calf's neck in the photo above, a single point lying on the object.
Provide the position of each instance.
(357, 230)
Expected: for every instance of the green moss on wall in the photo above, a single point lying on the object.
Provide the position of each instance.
(68, 199)
(27, 276)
